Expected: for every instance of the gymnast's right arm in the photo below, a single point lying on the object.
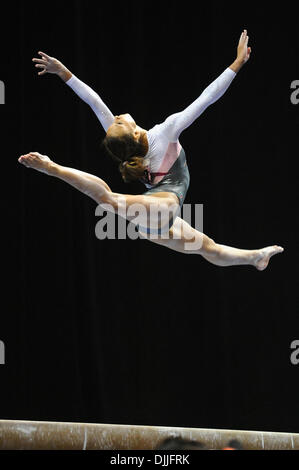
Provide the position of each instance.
(89, 96)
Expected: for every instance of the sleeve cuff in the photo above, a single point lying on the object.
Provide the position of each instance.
(231, 72)
(71, 80)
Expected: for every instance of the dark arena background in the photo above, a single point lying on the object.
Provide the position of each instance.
(127, 332)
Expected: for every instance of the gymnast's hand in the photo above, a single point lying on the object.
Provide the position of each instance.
(51, 65)
(243, 51)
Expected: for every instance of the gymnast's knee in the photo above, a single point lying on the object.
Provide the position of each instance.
(108, 198)
(209, 247)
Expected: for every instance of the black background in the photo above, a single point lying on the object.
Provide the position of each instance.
(128, 332)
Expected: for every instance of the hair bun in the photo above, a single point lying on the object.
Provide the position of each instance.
(133, 161)
(129, 163)
(132, 169)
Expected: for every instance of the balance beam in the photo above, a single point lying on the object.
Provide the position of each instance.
(45, 435)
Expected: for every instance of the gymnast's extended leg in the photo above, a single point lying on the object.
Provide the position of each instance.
(186, 239)
(100, 192)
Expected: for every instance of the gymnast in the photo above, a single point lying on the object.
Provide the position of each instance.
(156, 158)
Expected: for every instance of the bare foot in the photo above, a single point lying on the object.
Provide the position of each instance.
(264, 255)
(36, 161)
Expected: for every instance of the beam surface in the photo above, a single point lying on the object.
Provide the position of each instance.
(45, 435)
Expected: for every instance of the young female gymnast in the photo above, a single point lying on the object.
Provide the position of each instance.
(156, 158)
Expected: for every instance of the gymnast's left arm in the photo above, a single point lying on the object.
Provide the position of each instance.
(176, 123)
(49, 64)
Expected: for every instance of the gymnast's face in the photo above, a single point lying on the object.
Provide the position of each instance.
(123, 124)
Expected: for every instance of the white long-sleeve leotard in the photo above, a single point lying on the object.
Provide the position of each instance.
(163, 139)
(90, 97)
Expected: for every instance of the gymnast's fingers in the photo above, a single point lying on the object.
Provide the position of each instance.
(45, 55)
(243, 35)
(40, 61)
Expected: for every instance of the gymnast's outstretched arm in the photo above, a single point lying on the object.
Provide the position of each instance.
(87, 94)
(176, 123)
